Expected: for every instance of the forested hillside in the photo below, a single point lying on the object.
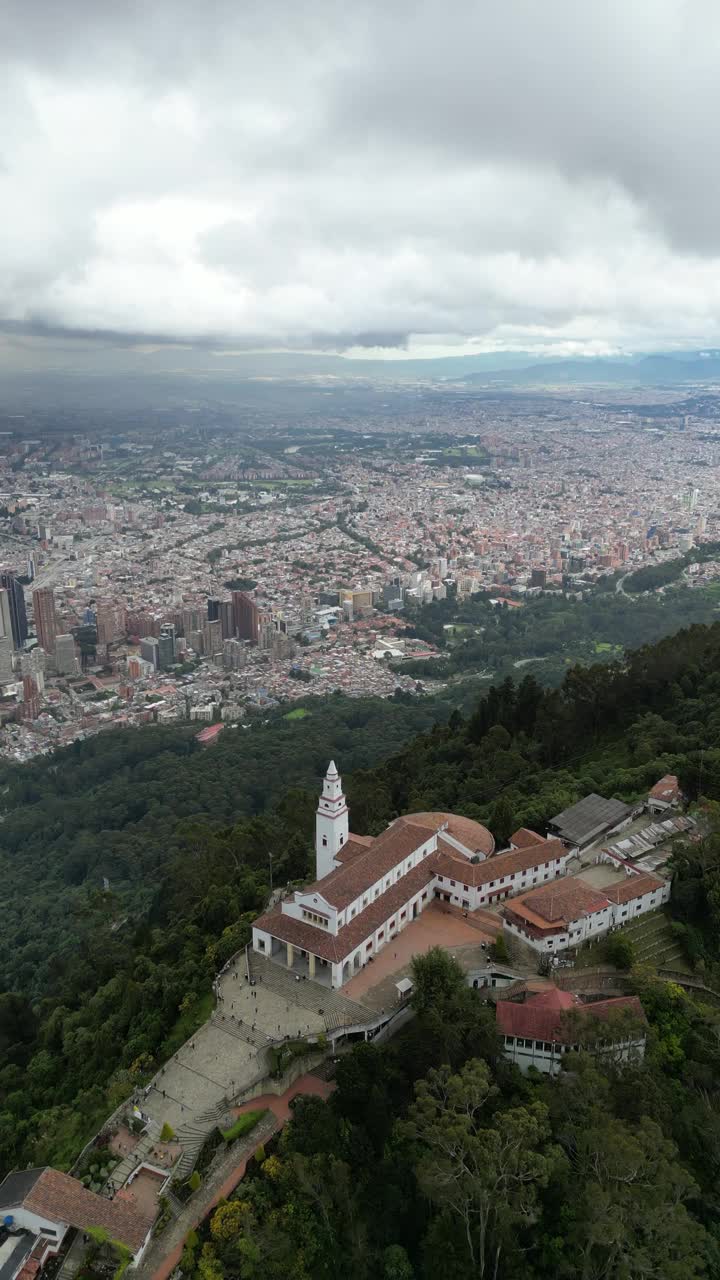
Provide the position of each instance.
(128, 985)
(555, 631)
(116, 807)
(436, 1158)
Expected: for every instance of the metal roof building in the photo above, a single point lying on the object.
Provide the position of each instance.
(589, 819)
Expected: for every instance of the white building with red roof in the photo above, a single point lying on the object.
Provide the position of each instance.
(368, 889)
(538, 1031)
(557, 916)
(664, 795)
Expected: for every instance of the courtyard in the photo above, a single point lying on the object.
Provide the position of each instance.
(375, 984)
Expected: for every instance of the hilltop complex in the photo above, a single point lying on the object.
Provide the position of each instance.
(368, 890)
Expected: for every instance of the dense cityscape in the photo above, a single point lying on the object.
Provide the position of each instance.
(218, 564)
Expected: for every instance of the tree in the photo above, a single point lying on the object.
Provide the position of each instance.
(620, 951)
(485, 1176)
(631, 1218)
(502, 820)
(437, 979)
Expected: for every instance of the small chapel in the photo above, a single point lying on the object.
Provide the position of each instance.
(368, 889)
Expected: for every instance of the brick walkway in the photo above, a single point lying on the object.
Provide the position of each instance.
(164, 1253)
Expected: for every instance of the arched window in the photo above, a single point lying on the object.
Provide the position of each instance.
(324, 840)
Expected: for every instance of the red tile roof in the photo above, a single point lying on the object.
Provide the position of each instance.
(473, 835)
(541, 1016)
(666, 789)
(350, 880)
(62, 1199)
(524, 837)
(452, 864)
(558, 903)
(333, 947)
(633, 887)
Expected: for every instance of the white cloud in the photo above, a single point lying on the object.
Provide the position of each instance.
(482, 178)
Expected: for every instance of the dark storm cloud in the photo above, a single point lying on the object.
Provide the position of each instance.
(361, 174)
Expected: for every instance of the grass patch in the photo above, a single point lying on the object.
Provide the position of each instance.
(244, 1124)
(188, 1022)
(298, 713)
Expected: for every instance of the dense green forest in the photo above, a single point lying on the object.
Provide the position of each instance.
(551, 631)
(436, 1157)
(117, 806)
(127, 986)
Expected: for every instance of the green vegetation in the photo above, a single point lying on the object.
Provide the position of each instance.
(245, 1123)
(496, 639)
(298, 713)
(435, 1157)
(101, 981)
(654, 576)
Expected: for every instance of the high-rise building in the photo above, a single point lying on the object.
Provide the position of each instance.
(31, 699)
(5, 620)
(192, 620)
(266, 631)
(246, 616)
(16, 603)
(6, 659)
(166, 646)
(45, 619)
(213, 609)
(195, 640)
(227, 619)
(66, 662)
(212, 638)
(234, 655)
(150, 650)
(111, 622)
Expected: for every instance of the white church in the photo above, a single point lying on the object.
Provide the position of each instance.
(368, 889)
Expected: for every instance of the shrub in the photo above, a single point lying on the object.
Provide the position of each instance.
(167, 1132)
(620, 951)
(244, 1124)
(499, 950)
(194, 1181)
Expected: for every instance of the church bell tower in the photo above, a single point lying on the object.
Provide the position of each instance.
(331, 823)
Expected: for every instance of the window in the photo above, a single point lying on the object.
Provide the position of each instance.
(403, 913)
(465, 889)
(324, 840)
(261, 944)
(341, 837)
(314, 918)
(381, 934)
(510, 1040)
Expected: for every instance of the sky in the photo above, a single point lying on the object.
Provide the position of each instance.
(385, 178)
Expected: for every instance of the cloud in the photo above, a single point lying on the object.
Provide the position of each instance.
(509, 174)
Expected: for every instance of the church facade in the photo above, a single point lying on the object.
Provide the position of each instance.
(369, 889)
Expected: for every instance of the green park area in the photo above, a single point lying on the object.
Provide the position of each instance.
(297, 713)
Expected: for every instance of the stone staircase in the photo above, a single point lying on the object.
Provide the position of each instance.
(138, 1155)
(233, 1026)
(654, 942)
(193, 1134)
(338, 1010)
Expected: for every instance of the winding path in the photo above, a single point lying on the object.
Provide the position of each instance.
(164, 1253)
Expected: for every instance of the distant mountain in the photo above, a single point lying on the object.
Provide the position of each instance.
(646, 371)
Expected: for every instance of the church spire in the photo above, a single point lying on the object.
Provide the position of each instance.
(331, 823)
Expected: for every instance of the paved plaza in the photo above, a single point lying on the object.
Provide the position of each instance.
(433, 928)
(194, 1090)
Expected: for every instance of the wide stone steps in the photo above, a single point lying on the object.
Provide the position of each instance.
(337, 1009)
(233, 1026)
